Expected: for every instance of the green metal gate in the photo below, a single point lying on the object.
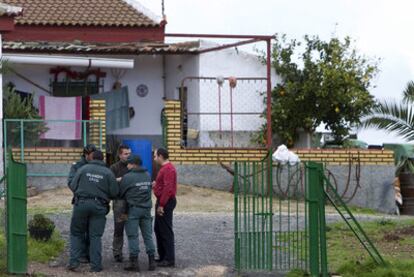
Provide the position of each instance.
(16, 210)
(279, 217)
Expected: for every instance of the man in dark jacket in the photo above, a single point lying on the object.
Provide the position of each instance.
(93, 186)
(85, 158)
(119, 206)
(136, 188)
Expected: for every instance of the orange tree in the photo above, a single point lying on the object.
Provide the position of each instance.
(320, 82)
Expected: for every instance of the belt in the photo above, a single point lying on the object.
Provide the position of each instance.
(92, 198)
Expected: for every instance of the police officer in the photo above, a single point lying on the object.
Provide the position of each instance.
(136, 189)
(93, 186)
(119, 206)
(85, 158)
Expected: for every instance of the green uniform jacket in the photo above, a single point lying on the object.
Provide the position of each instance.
(95, 180)
(74, 168)
(136, 187)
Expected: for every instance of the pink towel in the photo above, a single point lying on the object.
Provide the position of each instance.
(61, 108)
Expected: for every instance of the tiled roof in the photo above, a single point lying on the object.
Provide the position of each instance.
(82, 13)
(9, 10)
(79, 47)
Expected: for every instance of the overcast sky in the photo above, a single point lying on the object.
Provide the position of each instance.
(381, 28)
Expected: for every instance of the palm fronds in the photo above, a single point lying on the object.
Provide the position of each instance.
(393, 117)
(408, 93)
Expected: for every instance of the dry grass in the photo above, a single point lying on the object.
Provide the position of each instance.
(189, 198)
(196, 199)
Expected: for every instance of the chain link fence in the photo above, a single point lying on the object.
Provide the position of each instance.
(223, 112)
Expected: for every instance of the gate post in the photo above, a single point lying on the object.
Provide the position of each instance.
(317, 225)
(236, 217)
(16, 211)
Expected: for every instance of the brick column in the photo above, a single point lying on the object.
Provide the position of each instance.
(97, 112)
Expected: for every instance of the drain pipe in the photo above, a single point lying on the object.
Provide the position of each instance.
(164, 76)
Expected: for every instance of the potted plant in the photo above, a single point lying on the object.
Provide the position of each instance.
(41, 227)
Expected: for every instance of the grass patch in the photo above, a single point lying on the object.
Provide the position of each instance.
(369, 269)
(297, 273)
(358, 210)
(43, 252)
(38, 251)
(394, 239)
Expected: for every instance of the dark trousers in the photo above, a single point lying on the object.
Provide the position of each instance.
(120, 211)
(163, 228)
(88, 216)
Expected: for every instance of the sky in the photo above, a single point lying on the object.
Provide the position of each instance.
(380, 28)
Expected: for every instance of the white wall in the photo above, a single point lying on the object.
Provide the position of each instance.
(147, 121)
(246, 95)
(179, 67)
(148, 71)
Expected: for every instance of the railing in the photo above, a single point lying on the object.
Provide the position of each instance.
(279, 217)
(32, 134)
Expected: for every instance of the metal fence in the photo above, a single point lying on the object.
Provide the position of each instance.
(16, 216)
(272, 230)
(223, 112)
(26, 136)
(279, 217)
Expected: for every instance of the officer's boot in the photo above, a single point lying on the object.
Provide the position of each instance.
(151, 262)
(133, 264)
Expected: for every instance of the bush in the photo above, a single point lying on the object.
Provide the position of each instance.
(41, 227)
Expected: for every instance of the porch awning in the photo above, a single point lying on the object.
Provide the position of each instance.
(68, 60)
(79, 47)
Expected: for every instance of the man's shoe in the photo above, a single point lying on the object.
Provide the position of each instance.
(118, 258)
(95, 270)
(151, 262)
(73, 268)
(84, 260)
(133, 264)
(166, 264)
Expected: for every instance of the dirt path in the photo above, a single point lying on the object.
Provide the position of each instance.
(204, 230)
(204, 246)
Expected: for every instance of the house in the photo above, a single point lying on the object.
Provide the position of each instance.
(65, 49)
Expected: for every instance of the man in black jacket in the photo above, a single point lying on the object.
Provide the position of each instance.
(119, 205)
(136, 189)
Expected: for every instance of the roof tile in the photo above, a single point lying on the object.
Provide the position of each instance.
(81, 13)
(190, 47)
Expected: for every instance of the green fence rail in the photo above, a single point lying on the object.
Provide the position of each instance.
(2, 187)
(16, 216)
(26, 133)
(351, 221)
(279, 217)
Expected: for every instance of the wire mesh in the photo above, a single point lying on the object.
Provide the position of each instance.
(223, 112)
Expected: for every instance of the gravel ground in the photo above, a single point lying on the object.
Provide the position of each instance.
(204, 247)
